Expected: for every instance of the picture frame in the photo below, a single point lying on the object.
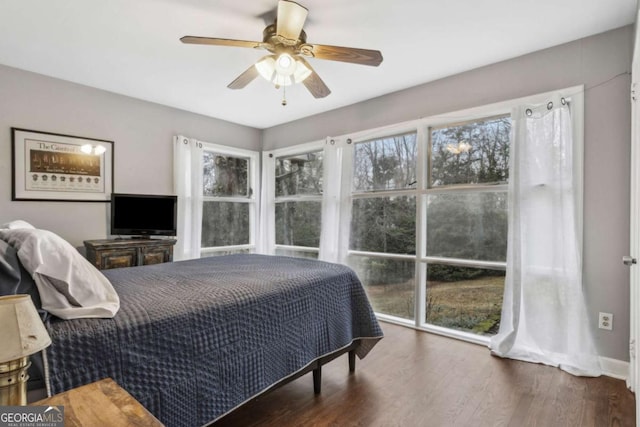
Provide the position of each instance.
(60, 168)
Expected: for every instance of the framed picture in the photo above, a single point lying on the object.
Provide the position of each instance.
(55, 167)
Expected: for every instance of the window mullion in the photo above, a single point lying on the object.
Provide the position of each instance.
(298, 248)
(383, 255)
(476, 188)
(300, 198)
(229, 199)
(383, 193)
(493, 265)
(421, 224)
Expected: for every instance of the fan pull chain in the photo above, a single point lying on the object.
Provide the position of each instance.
(284, 96)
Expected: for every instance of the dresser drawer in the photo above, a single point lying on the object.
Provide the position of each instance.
(118, 253)
(118, 258)
(156, 255)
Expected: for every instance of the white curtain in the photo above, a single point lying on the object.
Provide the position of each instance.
(336, 201)
(330, 201)
(187, 182)
(266, 238)
(544, 315)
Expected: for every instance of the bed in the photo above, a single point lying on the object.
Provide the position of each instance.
(193, 340)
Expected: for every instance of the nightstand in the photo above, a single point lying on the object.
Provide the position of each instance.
(115, 253)
(103, 403)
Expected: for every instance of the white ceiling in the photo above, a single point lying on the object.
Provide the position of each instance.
(133, 48)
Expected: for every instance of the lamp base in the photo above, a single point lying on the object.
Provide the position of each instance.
(13, 382)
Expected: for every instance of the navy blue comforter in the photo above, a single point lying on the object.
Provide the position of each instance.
(195, 339)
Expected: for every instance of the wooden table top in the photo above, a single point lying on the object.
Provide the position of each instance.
(102, 403)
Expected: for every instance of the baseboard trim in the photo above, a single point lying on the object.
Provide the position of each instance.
(614, 368)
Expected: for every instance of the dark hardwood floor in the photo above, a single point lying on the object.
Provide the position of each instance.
(414, 378)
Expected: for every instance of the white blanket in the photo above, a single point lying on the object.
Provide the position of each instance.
(69, 286)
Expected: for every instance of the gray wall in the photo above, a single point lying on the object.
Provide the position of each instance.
(594, 62)
(142, 133)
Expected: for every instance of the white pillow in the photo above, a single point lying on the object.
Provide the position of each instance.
(70, 287)
(18, 223)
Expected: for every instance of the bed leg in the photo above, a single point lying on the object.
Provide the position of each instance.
(352, 361)
(317, 380)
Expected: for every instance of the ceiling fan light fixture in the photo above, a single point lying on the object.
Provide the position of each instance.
(295, 71)
(301, 72)
(285, 65)
(267, 67)
(287, 41)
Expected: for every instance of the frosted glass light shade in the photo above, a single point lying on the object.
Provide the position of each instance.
(283, 70)
(301, 72)
(22, 332)
(285, 65)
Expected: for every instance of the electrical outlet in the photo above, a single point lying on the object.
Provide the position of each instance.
(605, 321)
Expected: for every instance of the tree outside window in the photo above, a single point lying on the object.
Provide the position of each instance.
(298, 204)
(228, 208)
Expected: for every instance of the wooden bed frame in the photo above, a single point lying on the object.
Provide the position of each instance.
(316, 367)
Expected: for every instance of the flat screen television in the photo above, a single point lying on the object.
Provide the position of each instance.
(143, 215)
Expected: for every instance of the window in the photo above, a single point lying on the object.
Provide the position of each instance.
(466, 224)
(433, 226)
(382, 245)
(229, 204)
(475, 152)
(298, 203)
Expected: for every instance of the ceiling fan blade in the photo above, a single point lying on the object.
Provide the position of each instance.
(221, 42)
(244, 79)
(316, 86)
(291, 17)
(343, 54)
(314, 83)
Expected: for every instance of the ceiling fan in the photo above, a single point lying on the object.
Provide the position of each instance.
(287, 42)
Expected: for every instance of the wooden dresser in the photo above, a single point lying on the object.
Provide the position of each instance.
(117, 253)
(103, 403)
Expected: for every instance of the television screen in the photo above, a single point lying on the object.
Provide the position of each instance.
(143, 214)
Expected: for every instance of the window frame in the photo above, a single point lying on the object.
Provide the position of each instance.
(268, 164)
(443, 125)
(252, 198)
(371, 194)
(349, 195)
(421, 193)
(427, 189)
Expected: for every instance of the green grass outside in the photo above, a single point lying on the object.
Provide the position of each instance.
(467, 305)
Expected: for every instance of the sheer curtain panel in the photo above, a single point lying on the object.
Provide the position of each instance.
(266, 218)
(336, 203)
(187, 183)
(544, 315)
(329, 250)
